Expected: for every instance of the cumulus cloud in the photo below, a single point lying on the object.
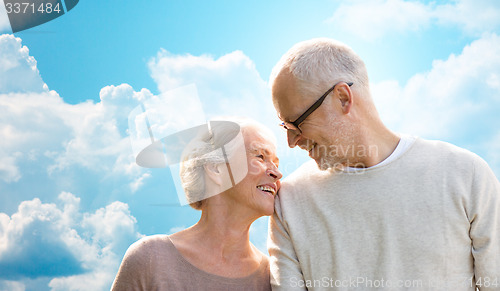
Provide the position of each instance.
(373, 19)
(82, 250)
(457, 99)
(18, 70)
(36, 124)
(12, 286)
(97, 139)
(112, 230)
(43, 135)
(473, 16)
(8, 168)
(32, 245)
(227, 86)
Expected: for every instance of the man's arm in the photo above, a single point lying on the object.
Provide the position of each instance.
(286, 273)
(484, 220)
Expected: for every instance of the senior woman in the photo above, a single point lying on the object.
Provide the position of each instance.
(215, 253)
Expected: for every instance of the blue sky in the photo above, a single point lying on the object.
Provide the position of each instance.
(71, 198)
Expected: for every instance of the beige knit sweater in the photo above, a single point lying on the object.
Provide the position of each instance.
(429, 220)
(153, 263)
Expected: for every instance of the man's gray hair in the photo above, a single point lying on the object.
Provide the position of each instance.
(321, 62)
(202, 151)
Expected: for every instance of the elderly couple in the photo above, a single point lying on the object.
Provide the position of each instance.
(375, 210)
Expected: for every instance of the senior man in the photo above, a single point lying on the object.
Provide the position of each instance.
(374, 210)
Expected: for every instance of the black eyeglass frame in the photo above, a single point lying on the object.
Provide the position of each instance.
(295, 124)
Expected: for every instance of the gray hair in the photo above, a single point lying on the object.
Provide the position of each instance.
(201, 151)
(319, 63)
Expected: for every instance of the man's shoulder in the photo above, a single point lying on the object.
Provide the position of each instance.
(445, 150)
(301, 180)
(306, 171)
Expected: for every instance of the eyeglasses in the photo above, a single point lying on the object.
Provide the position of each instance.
(294, 126)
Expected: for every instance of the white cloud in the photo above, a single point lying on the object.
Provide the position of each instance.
(36, 124)
(371, 20)
(18, 70)
(112, 230)
(474, 16)
(11, 286)
(83, 250)
(227, 86)
(40, 132)
(138, 182)
(9, 172)
(97, 139)
(457, 99)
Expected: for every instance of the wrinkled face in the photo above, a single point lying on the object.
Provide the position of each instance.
(325, 135)
(258, 189)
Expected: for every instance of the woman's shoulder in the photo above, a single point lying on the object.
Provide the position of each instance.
(147, 246)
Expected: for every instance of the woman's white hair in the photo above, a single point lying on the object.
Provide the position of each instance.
(321, 62)
(201, 151)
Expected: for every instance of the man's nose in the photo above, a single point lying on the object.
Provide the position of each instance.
(292, 137)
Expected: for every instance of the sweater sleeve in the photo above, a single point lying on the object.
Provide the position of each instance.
(132, 275)
(285, 269)
(484, 219)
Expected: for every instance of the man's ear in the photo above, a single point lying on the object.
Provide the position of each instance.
(214, 173)
(346, 97)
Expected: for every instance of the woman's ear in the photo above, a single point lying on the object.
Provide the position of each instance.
(214, 173)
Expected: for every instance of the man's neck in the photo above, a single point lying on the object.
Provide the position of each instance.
(377, 146)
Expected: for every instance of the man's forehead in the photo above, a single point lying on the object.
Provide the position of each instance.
(284, 83)
(287, 97)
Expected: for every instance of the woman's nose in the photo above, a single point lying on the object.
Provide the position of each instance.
(274, 172)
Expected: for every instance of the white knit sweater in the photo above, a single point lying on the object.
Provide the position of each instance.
(429, 220)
